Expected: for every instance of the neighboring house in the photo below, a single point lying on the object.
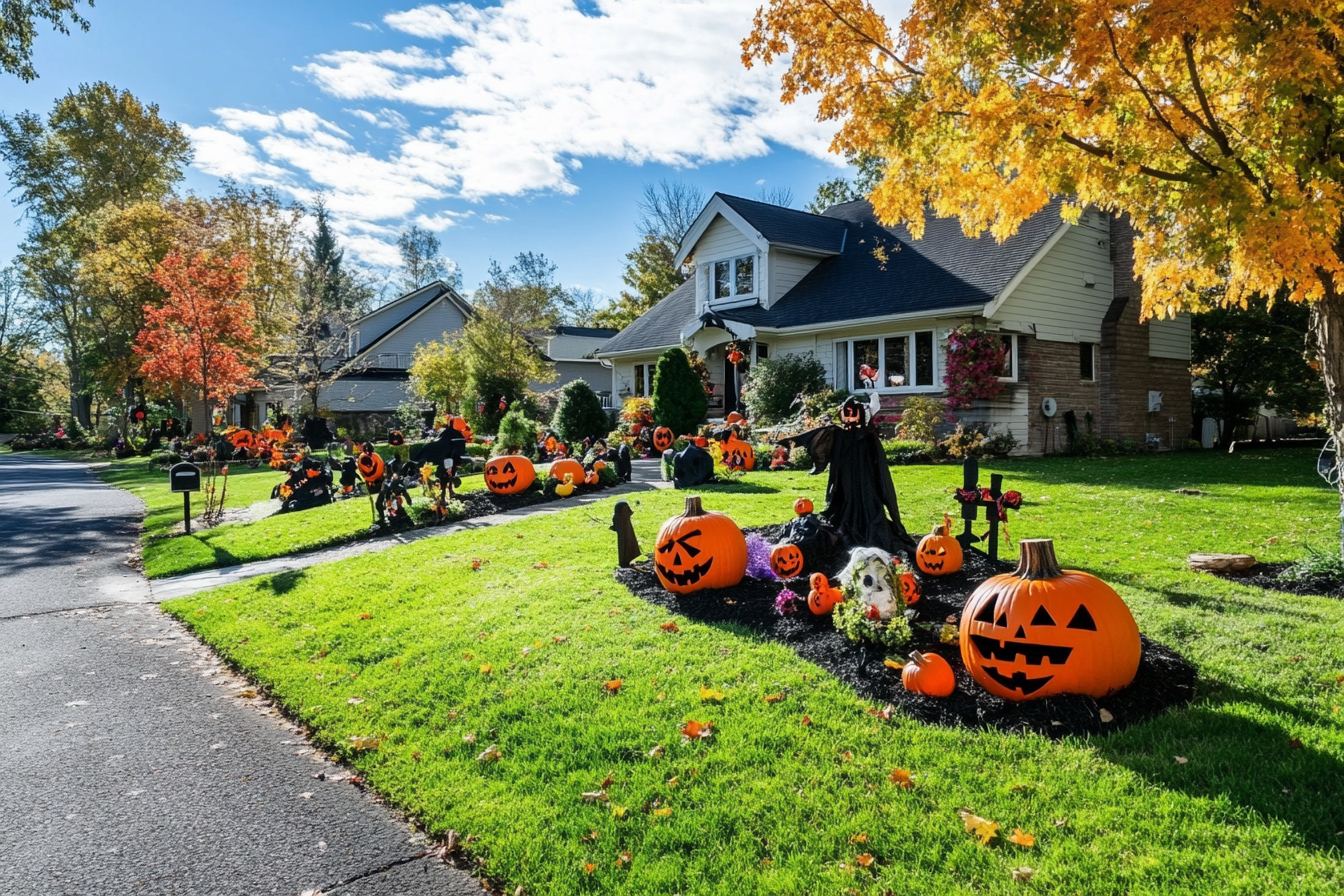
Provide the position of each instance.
(379, 348)
(840, 285)
(571, 350)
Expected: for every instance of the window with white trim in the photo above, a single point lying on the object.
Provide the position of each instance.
(1008, 373)
(733, 278)
(894, 362)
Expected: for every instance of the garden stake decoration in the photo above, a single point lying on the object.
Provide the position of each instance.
(699, 549)
(994, 499)
(627, 545)
(1041, 631)
(372, 470)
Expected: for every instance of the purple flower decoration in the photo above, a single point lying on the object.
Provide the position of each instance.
(758, 558)
(786, 604)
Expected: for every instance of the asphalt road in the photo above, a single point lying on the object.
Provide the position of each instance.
(137, 764)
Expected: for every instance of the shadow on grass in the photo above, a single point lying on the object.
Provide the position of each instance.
(1286, 468)
(284, 582)
(1255, 763)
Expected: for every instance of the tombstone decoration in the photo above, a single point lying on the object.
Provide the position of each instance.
(185, 478)
(994, 500)
(316, 434)
(692, 466)
(627, 545)
(394, 498)
(308, 485)
(1041, 631)
(860, 496)
(620, 456)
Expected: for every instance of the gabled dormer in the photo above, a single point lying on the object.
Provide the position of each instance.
(747, 253)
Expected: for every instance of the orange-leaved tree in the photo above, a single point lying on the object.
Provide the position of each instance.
(199, 344)
(1217, 126)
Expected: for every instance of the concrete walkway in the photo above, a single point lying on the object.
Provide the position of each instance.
(646, 474)
(137, 763)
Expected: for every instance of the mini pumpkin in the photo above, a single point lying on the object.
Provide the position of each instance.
(802, 506)
(599, 466)
(910, 590)
(938, 553)
(701, 442)
(786, 560)
(663, 438)
(823, 597)
(1041, 631)
(928, 674)
(567, 465)
(591, 478)
(737, 453)
(509, 474)
(566, 488)
(699, 549)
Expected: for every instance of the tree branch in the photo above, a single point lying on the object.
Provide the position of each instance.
(881, 48)
(1214, 130)
(1109, 155)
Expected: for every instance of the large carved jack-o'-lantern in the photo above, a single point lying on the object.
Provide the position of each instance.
(1041, 631)
(699, 549)
(939, 554)
(509, 474)
(739, 454)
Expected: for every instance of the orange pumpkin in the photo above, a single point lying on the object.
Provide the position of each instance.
(599, 466)
(567, 465)
(938, 553)
(663, 438)
(734, 417)
(1041, 631)
(910, 590)
(822, 598)
(701, 442)
(699, 549)
(802, 506)
(786, 560)
(591, 478)
(737, 453)
(928, 674)
(509, 474)
(371, 468)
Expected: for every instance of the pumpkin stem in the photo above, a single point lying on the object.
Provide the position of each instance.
(917, 658)
(1037, 560)
(693, 507)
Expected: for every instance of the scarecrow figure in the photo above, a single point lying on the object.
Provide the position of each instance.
(627, 545)
(373, 471)
(448, 453)
(860, 496)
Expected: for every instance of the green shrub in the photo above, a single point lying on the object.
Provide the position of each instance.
(851, 620)
(964, 443)
(164, 458)
(920, 416)
(517, 433)
(580, 415)
(907, 451)
(774, 383)
(679, 399)
(481, 406)
(1317, 567)
(764, 454)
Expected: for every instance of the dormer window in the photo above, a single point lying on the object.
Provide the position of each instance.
(735, 277)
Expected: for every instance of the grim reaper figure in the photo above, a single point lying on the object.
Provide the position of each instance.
(860, 496)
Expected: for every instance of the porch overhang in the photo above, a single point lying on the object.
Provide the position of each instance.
(709, 330)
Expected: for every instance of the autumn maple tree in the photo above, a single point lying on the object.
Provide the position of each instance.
(1217, 127)
(199, 343)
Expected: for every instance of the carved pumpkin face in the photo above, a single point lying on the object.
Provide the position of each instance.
(802, 506)
(823, 597)
(663, 438)
(1039, 631)
(567, 465)
(910, 591)
(699, 549)
(738, 454)
(787, 561)
(509, 474)
(938, 554)
(928, 674)
(395, 438)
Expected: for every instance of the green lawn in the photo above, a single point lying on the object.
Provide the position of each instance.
(436, 662)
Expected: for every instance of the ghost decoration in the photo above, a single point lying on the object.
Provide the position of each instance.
(870, 578)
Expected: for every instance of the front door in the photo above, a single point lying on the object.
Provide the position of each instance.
(732, 386)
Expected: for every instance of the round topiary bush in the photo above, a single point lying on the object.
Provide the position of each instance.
(580, 415)
(679, 399)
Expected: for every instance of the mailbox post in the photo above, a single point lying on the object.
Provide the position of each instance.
(185, 478)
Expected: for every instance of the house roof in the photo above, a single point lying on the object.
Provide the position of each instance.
(601, 332)
(660, 326)
(412, 305)
(788, 226)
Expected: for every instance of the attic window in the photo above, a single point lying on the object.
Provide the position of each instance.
(735, 277)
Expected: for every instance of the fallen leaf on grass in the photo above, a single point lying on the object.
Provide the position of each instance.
(1295, 744)
(901, 778)
(672, 781)
(1022, 838)
(365, 616)
(884, 713)
(589, 867)
(613, 686)
(606, 782)
(541, 564)
(656, 752)
(663, 812)
(366, 743)
(1106, 717)
(469, 738)
(355, 701)
(618, 812)
(661, 696)
(560, 639)
(623, 860)
(773, 698)
(710, 695)
(1022, 873)
(807, 720)
(693, 729)
(1181, 760)
(590, 837)
(670, 627)
(859, 838)
(596, 796)
(864, 859)
(984, 829)
(1060, 822)
(490, 754)
(486, 668)
(476, 563)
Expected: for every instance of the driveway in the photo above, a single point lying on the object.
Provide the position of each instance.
(137, 763)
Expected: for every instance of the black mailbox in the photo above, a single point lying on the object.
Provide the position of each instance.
(184, 477)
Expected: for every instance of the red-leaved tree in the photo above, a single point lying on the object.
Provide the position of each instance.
(199, 343)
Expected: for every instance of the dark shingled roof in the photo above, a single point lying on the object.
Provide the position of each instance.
(787, 226)
(567, 330)
(660, 326)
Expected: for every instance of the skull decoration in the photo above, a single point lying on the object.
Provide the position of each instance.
(870, 578)
(510, 474)
(1041, 631)
(699, 549)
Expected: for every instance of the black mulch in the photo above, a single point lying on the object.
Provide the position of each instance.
(1164, 678)
(1266, 575)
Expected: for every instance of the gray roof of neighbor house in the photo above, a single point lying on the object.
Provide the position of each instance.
(788, 226)
(378, 322)
(881, 271)
(567, 330)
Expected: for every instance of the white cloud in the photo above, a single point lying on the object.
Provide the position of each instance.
(367, 26)
(442, 220)
(494, 219)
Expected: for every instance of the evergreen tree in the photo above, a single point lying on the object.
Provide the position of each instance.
(324, 275)
(679, 400)
(579, 415)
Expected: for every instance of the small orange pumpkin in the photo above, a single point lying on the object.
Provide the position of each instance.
(663, 438)
(910, 590)
(938, 553)
(823, 598)
(599, 466)
(737, 453)
(591, 478)
(699, 549)
(802, 506)
(567, 465)
(1040, 631)
(786, 560)
(701, 442)
(509, 474)
(928, 674)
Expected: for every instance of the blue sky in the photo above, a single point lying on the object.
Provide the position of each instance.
(522, 125)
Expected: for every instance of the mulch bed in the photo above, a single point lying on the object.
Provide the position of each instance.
(1164, 679)
(1266, 575)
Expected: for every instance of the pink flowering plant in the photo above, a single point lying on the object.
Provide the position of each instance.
(975, 360)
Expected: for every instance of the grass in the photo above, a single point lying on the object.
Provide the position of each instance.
(436, 662)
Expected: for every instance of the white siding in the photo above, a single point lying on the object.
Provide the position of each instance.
(351, 396)
(786, 269)
(1054, 297)
(720, 240)
(564, 347)
(624, 375)
(1170, 338)
(439, 318)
